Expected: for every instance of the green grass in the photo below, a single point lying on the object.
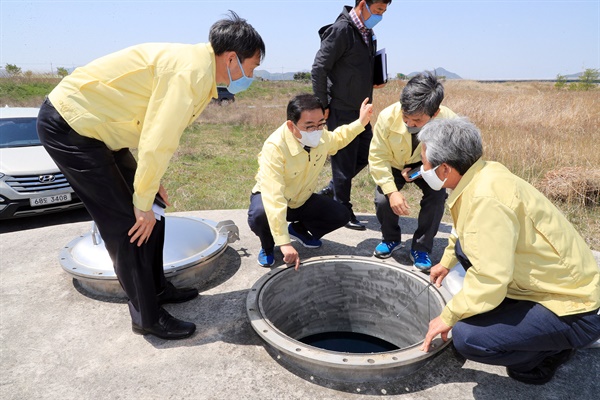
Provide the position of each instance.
(25, 91)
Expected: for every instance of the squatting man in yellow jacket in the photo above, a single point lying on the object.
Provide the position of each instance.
(141, 97)
(289, 166)
(531, 292)
(394, 152)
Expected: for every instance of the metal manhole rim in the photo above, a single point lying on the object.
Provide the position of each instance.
(273, 336)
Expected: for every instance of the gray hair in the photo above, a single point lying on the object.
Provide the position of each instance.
(423, 94)
(456, 142)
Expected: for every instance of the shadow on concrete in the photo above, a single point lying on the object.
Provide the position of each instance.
(229, 263)
(43, 220)
(220, 317)
(107, 299)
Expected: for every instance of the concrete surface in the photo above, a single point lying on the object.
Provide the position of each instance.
(59, 343)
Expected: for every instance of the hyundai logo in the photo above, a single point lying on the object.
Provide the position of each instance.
(46, 178)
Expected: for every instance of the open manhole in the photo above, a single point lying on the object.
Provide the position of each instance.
(347, 319)
(191, 251)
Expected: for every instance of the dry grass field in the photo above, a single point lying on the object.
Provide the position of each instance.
(548, 137)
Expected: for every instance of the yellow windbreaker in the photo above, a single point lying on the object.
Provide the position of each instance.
(521, 247)
(391, 146)
(141, 97)
(287, 174)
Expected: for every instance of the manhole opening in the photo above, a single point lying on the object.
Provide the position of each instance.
(328, 317)
(357, 307)
(349, 342)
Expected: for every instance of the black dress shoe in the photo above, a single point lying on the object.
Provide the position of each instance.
(173, 295)
(326, 191)
(167, 327)
(355, 224)
(544, 372)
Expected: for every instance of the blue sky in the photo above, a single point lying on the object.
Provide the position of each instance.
(476, 39)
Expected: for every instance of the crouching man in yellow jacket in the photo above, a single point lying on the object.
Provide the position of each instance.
(141, 97)
(289, 166)
(531, 291)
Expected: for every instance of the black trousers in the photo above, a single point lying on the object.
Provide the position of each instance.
(430, 214)
(350, 160)
(103, 180)
(319, 215)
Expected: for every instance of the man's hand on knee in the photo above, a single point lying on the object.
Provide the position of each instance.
(398, 203)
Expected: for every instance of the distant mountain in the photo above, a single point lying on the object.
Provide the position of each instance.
(277, 76)
(574, 76)
(439, 72)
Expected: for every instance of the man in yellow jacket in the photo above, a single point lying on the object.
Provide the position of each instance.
(289, 166)
(531, 291)
(394, 152)
(141, 97)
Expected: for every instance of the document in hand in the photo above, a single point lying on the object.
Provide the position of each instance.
(380, 75)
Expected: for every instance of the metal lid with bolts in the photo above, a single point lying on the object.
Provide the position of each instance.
(191, 250)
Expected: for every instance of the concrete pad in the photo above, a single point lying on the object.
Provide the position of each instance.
(59, 342)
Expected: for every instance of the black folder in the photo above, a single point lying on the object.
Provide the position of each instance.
(380, 75)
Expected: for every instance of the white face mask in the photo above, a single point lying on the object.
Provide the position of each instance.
(310, 139)
(432, 179)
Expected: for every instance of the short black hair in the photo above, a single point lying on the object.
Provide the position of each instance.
(235, 34)
(423, 94)
(369, 2)
(300, 103)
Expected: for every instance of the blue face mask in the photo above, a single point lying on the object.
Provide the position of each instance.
(238, 85)
(373, 20)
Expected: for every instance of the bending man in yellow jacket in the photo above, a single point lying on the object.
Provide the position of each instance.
(289, 166)
(142, 97)
(394, 152)
(531, 291)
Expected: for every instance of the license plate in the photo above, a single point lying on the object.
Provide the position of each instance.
(44, 201)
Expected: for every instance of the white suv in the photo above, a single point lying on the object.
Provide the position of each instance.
(30, 181)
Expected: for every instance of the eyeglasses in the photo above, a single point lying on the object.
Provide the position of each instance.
(312, 128)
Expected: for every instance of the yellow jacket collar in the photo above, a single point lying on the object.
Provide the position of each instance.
(293, 144)
(464, 181)
(398, 125)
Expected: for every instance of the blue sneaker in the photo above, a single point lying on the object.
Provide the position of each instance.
(385, 249)
(305, 238)
(421, 260)
(266, 258)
